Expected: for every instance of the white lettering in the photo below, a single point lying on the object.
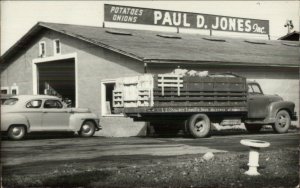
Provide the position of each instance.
(112, 9)
(248, 25)
(157, 16)
(232, 24)
(141, 12)
(185, 23)
(200, 21)
(258, 29)
(216, 26)
(240, 25)
(223, 23)
(167, 19)
(176, 19)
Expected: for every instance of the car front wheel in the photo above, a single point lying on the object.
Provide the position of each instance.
(87, 129)
(16, 132)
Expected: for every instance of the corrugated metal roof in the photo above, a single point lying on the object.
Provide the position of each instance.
(147, 46)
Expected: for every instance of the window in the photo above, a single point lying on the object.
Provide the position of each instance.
(4, 90)
(52, 104)
(10, 101)
(254, 89)
(14, 90)
(56, 46)
(42, 49)
(34, 104)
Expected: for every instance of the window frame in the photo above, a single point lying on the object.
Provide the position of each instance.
(55, 47)
(41, 50)
(253, 92)
(14, 88)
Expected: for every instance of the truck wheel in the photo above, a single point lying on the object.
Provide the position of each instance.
(199, 125)
(87, 129)
(282, 122)
(16, 132)
(253, 128)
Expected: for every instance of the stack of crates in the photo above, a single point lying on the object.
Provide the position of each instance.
(133, 92)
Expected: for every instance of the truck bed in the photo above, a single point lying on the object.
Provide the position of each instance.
(188, 94)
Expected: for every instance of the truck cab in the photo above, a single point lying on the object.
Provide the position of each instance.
(268, 109)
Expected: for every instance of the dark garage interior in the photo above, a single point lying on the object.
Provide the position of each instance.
(57, 78)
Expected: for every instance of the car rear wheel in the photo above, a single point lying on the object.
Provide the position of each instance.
(87, 129)
(16, 132)
(199, 125)
(253, 128)
(282, 122)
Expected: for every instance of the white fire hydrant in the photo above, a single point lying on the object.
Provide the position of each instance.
(255, 146)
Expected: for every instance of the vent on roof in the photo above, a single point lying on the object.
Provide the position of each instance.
(118, 32)
(214, 39)
(255, 42)
(291, 44)
(169, 36)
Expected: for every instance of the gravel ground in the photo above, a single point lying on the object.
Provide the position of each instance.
(278, 168)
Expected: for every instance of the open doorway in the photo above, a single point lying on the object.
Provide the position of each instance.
(107, 88)
(58, 78)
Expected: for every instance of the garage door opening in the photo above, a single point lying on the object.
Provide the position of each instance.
(58, 78)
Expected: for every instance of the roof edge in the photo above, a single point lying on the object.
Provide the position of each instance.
(217, 63)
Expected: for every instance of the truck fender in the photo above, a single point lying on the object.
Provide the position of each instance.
(76, 120)
(274, 107)
(13, 119)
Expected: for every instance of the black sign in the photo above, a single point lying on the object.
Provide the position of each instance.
(136, 15)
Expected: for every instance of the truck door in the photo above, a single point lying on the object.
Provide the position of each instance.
(257, 102)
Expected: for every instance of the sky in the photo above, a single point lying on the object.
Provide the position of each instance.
(17, 17)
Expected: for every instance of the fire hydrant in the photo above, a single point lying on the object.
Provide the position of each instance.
(254, 146)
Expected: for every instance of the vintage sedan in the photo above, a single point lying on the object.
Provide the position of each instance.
(33, 113)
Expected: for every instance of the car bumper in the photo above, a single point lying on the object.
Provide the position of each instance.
(98, 126)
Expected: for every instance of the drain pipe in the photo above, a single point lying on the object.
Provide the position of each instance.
(254, 146)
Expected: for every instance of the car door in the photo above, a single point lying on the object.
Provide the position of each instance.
(257, 102)
(55, 116)
(33, 113)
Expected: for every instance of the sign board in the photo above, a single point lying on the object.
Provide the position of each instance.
(146, 16)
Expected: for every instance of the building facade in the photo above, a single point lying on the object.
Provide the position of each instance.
(81, 63)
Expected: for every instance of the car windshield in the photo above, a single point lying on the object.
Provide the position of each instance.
(10, 101)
